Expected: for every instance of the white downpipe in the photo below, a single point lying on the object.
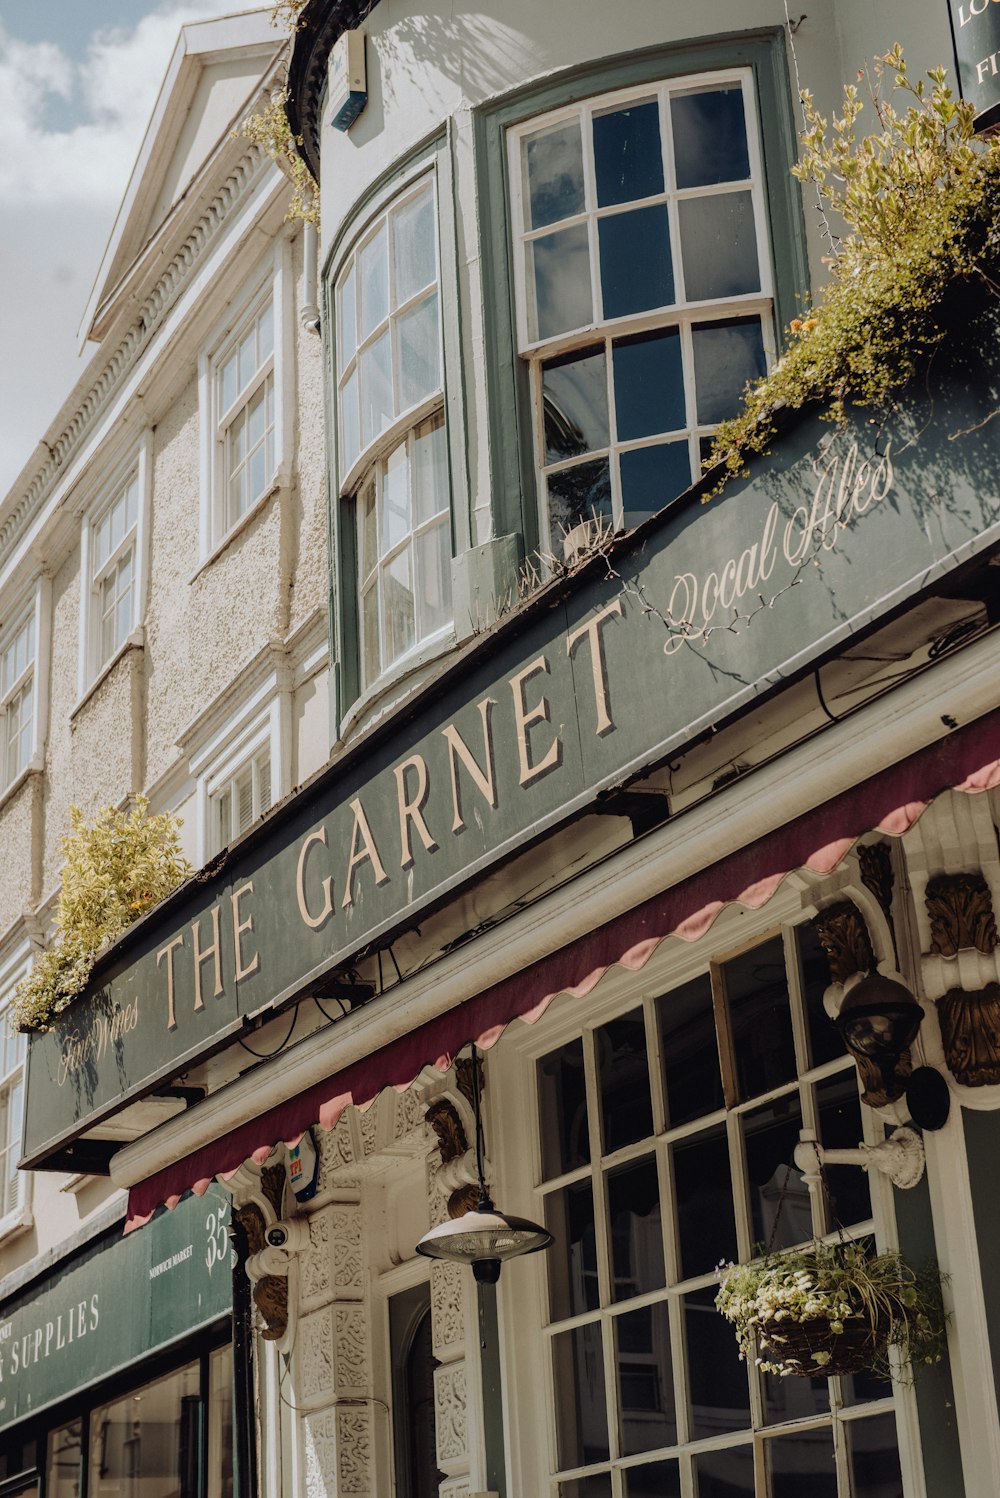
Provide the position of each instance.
(877, 736)
(309, 315)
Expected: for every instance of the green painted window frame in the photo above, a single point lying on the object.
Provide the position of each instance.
(432, 156)
(514, 481)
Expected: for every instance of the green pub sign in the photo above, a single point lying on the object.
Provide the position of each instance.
(121, 1300)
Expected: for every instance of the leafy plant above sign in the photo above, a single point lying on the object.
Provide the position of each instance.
(921, 198)
(834, 1308)
(115, 870)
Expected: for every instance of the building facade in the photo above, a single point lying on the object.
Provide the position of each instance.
(163, 596)
(625, 794)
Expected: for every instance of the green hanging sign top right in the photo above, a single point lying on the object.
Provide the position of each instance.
(975, 26)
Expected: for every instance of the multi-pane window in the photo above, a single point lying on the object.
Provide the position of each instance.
(241, 799)
(17, 696)
(392, 447)
(666, 1144)
(114, 566)
(643, 278)
(244, 379)
(13, 1049)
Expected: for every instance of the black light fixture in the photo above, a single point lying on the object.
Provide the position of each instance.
(880, 1019)
(483, 1237)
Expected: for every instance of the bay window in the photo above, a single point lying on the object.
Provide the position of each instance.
(643, 287)
(393, 463)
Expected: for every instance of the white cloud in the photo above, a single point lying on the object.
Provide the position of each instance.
(74, 119)
(111, 87)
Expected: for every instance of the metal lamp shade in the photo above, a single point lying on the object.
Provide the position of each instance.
(880, 1018)
(484, 1236)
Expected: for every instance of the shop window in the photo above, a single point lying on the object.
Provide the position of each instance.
(18, 654)
(643, 288)
(666, 1138)
(392, 452)
(64, 1470)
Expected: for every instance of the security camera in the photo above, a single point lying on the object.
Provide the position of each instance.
(291, 1234)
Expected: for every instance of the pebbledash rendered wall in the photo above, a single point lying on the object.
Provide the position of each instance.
(212, 631)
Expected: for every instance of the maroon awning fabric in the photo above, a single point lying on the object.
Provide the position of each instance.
(890, 802)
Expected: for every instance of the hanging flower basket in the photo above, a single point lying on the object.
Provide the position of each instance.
(833, 1309)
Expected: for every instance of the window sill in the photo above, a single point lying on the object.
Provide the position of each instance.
(16, 1223)
(394, 676)
(240, 526)
(33, 767)
(135, 641)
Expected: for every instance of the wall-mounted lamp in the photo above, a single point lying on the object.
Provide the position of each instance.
(483, 1237)
(879, 1019)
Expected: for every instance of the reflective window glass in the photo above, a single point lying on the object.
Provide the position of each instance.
(645, 1379)
(703, 1192)
(718, 1391)
(651, 478)
(636, 263)
(575, 400)
(581, 1401)
(649, 384)
(562, 1110)
(719, 246)
(760, 1018)
(873, 1452)
(623, 1078)
(636, 1229)
(690, 1051)
(628, 158)
(780, 1212)
(728, 355)
(559, 267)
(572, 1258)
(802, 1462)
(710, 136)
(553, 165)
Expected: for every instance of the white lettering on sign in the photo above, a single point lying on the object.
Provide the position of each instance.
(969, 9)
(48, 1337)
(847, 486)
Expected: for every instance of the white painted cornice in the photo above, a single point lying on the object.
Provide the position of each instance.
(107, 371)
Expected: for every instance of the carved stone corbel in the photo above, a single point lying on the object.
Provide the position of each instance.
(458, 1172)
(970, 1034)
(875, 867)
(262, 1190)
(845, 938)
(960, 910)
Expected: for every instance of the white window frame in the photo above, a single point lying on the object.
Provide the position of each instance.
(93, 664)
(34, 610)
(525, 1320)
(681, 313)
(368, 466)
(274, 283)
(262, 723)
(18, 1217)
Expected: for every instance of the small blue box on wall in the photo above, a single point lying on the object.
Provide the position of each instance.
(347, 81)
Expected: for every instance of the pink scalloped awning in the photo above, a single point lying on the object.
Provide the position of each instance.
(890, 802)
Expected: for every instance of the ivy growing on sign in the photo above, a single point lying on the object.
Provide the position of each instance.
(920, 198)
(116, 868)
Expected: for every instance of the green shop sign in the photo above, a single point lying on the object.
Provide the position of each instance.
(120, 1301)
(683, 624)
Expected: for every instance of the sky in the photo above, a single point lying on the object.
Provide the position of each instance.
(78, 80)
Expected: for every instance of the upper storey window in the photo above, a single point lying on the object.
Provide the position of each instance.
(643, 287)
(17, 696)
(392, 448)
(245, 401)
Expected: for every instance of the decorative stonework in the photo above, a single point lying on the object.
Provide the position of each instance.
(316, 1263)
(960, 909)
(464, 1199)
(315, 1353)
(463, 1076)
(348, 1251)
(450, 1415)
(970, 1033)
(368, 1121)
(270, 1296)
(875, 864)
(409, 1113)
(267, 1268)
(350, 1356)
(336, 1148)
(844, 937)
(354, 1451)
(320, 1443)
(447, 1308)
(148, 317)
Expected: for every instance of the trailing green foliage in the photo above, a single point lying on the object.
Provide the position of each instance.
(115, 870)
(921, 199)
(838, 1287)
(269, 129)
